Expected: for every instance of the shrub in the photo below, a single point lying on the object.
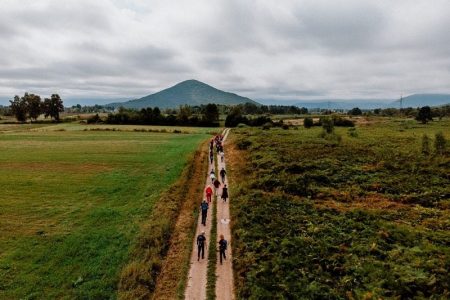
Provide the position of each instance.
(308, 122)
(243, 144)
(425, 145)
(440, 143)
(352, 132)
(341, 122)
(327, 124)
(267, 126)
(94, 119)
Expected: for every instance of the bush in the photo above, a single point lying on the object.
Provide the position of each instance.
(243, 144)
(94, 119)
(440, 143)
(308, 122)
(267, 126)
(341, 122)
(352, 132)
(425, 145)
(327, 124)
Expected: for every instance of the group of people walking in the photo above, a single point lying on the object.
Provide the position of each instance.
(204, 206)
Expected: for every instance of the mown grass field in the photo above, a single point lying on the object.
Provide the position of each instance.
(362, 216)
(73, 202)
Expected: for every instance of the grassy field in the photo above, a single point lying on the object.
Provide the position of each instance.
(359, 214)
(73, 202)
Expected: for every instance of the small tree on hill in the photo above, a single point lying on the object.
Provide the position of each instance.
(19, 108)
(308, 122)
(424, 115)
(440, 143)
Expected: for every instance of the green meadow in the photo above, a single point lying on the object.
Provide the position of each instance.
(72, 203)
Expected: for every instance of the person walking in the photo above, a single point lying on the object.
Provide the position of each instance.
(222, 248)
(211, 156)
(222, 174)
(208, 192)
(212, 175)
(224, 193)
(204, 208)
(201, 243)
(222, 155)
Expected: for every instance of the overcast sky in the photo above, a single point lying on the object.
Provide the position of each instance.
(260, 49)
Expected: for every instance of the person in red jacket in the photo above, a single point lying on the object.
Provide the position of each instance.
(208, 192)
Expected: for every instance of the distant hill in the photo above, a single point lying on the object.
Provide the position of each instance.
(191, 92)
(419, 100)
(416, 100)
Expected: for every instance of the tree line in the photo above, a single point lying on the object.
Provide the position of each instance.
(31, 106)
(208, 116)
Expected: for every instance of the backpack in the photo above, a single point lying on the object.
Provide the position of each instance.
(223, 245)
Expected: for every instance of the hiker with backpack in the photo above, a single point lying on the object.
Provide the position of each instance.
(204, 208)
(224, 193)
(222, 247)
(201, 243)
(222, 174)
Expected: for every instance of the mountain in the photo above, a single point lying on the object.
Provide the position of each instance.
(191, 92)
(419, 100)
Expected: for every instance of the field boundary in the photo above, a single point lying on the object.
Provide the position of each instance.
(139, 276)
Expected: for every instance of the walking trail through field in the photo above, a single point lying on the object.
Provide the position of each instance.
(224, 272)
(197, 280)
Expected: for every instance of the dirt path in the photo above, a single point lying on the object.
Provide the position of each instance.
(196, 286)
(224, 272)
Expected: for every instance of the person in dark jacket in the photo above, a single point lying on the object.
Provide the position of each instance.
(204, 208)
(224, 193)
(222, 247)
(222, 174)
(201, 243)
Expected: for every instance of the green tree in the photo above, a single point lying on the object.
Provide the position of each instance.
(184, 113)
(53, 106)
(211, 113)
(424, 115)
(308, 122)
(440, 143)
(34, 105)
(355, 111)
(19, 108)
(425, 145)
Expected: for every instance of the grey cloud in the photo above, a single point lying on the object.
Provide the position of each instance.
(260, 49)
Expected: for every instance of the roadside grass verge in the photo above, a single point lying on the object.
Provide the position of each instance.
(171, 282)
